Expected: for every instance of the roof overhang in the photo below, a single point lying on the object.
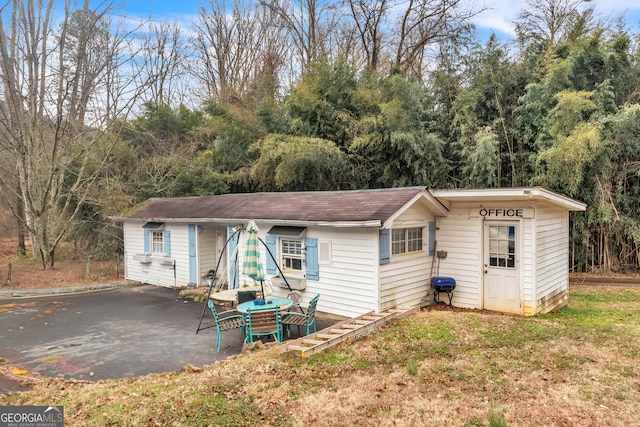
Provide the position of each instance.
(154, 225)
(287, 230)
(226, 221)
(508, 194)
(424, 198)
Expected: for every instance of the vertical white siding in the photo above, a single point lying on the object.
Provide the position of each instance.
(552, 268)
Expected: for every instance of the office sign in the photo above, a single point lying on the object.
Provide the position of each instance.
(501, 213)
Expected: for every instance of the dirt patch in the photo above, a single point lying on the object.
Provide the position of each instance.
(27, 273)
(441, 306)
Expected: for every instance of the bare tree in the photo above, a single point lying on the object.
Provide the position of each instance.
(425, 22)
(61, 88)
(369, 18)
(233, 46)
(8, 179)
(164, 57)
(308, 24)
(345, 43)
(549, 20)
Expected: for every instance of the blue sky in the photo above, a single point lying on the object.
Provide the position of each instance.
(160, 10)
(497, 18)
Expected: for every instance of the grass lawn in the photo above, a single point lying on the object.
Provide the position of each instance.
(579, 366)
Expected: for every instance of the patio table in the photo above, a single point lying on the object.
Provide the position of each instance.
(269, 304)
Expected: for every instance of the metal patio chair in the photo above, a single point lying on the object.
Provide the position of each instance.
(262, 323)
(306, 319)
(296, 298)
(226, 321)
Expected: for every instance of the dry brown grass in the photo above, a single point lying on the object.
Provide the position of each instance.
(26, 273)
(578, 367)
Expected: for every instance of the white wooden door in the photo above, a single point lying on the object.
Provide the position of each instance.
(501, 266)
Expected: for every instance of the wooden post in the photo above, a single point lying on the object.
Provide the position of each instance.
(9, 275)
(88, 270)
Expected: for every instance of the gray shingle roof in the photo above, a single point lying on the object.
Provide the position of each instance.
(310, 206)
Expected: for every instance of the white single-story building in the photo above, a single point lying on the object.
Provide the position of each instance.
(367, 250)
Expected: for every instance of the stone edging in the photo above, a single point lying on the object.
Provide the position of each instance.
(14, 293)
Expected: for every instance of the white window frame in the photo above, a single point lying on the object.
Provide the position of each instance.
(285, 255)
(502, 246)
(157, 242)
(407, 240)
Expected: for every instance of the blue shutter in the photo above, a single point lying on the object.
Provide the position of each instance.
(233, 259)
(147, 240)
(166, 240)
(272, 247)
(311, 259)
(193, 265)
(432, 238)
(385, 246)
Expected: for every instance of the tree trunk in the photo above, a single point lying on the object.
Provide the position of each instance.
(44, 126)
(22, 247)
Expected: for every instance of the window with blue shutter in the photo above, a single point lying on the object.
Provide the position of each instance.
(284, 250)
(385, 246)
(156, 239)
(311, 259)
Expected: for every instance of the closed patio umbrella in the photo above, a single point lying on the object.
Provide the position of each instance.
(252, 263)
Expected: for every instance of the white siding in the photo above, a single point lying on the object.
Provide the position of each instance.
(543, 256)
(180, 253)
(159, 271)
(352, 281)
(414, 215)
(552, 269)
(461, 237)
(528, 251)
(348, 285)
(405, 280)
(133, 244)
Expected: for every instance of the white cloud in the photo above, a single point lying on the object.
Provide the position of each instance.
(500, 13)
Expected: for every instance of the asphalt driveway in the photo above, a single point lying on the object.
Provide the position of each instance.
(115, 333)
